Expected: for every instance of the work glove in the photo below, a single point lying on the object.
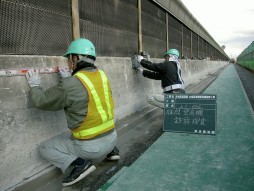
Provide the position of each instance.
(63, 73)
(33, 78)
(140, 58)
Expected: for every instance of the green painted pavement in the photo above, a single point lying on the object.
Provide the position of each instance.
(178, 161)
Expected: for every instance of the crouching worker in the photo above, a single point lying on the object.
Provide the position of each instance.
(87, 101)
(169, 72)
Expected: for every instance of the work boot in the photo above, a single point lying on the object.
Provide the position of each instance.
(113, 155)
(78, 173)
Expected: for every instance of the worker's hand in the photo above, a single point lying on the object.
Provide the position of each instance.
(63, 73)
(140, 58)
(33, 78)
(140, 70)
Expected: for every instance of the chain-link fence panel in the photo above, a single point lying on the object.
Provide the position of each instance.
(201, 45)
(111, 25)
(153, 29)
(186, 42)
(175, 34)
(35, 27)
(194, 45)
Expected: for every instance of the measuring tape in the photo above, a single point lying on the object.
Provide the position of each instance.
(23, 71)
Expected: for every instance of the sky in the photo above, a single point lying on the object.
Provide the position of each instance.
(229, 22)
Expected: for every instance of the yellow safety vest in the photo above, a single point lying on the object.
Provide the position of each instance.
(100, 114)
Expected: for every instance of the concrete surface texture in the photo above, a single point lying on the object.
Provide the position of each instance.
(23, 128)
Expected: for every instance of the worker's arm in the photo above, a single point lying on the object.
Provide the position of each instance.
(151, 75)
(52, 99)
(160, 67)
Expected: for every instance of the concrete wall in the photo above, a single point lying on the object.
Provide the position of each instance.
(23, 128)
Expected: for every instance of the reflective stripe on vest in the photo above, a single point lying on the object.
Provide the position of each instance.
(107, 122)
(92, 131)
(105, 88)
(95, 96)
(173, 87)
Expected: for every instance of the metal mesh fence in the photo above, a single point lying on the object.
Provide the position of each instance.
(194, 45)
(208, 48)
(111, 25)
(174, 33)
(201, 53)
(34, 27)
(186, 42)
(153, 29)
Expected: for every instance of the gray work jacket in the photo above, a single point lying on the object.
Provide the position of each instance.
(69, 94)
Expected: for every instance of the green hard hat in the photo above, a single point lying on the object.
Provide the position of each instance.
(173, 52)
(81, 46)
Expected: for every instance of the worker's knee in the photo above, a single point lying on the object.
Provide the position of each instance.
(150, 99)
(42, 148)
(47, 146)
(155, 98)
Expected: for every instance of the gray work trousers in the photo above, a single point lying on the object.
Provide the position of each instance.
(62, 150)
(156, 100)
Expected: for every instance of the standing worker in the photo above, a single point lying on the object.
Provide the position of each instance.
(169, 72)
(87, 101)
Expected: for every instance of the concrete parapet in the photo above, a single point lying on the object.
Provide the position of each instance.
(23, 128)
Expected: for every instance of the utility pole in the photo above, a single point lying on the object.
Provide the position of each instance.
(140, 47)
